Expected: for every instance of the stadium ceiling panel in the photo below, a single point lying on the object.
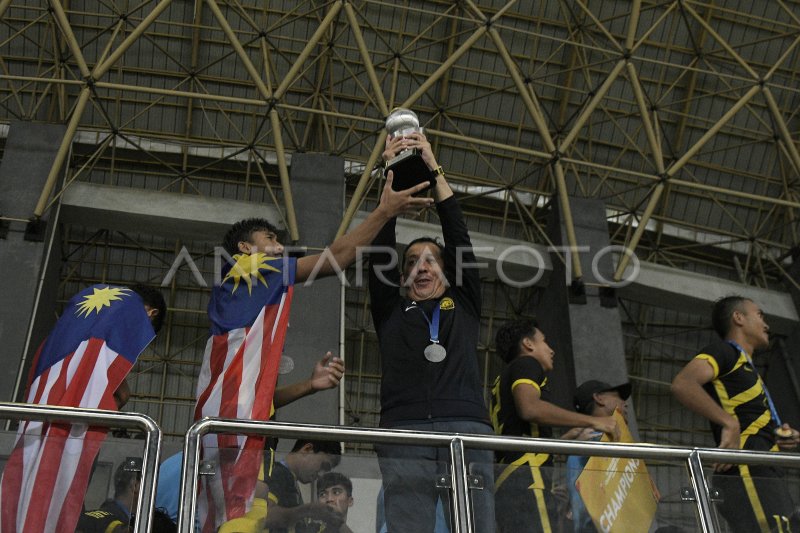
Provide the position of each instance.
(681, 115)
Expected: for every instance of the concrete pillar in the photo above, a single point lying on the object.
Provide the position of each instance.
(314, 323)
(28, 269)
(782, 375)
(582, 322)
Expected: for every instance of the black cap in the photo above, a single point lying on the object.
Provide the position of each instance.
(584, 394)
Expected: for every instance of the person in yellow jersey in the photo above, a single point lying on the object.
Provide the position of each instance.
(520, 407)
(722, 384)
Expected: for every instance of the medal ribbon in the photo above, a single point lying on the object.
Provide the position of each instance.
(772, 409)
(433, 322)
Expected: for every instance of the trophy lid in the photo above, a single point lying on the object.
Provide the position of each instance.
(402, 121)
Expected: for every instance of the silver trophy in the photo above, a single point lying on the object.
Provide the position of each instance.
(408, 167)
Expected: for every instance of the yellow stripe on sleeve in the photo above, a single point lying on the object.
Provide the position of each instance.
(711, 361)
(525, 382)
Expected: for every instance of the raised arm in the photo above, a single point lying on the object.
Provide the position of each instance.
(687, 387)
(458, 247)
(532, 408)
(394, 146)
(326, 375)
(343, 249)
(384, 278)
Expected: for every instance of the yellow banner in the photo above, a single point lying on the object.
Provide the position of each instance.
(618, 493)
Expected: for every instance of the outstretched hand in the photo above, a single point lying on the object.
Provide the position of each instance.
(327, 372)
(607, 424)
(399, 202)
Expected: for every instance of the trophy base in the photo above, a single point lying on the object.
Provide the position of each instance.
(409, 169)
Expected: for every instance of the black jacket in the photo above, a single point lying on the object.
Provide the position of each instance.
(412, 388)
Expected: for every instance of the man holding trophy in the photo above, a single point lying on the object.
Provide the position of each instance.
(428, 337)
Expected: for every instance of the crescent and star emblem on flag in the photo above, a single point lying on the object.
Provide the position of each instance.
(99, 299)
(247, 268)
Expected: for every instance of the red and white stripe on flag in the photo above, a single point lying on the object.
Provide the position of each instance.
(237, 380)
(45, 478)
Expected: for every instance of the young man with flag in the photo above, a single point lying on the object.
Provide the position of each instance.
(82, 363)
(249, 312)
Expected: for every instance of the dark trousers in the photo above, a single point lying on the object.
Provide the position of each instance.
(755, 499)
(409, 480)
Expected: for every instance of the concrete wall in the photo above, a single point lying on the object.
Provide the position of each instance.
(314, 323)
(29, 154)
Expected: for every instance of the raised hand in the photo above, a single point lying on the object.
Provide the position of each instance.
(395, 145)
(400, 202)
(327, 372)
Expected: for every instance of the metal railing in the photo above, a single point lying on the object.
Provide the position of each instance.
(462, 511)
(457, 443)
(109, 419)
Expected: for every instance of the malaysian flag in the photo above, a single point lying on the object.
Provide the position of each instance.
(81, 363)
(249, 313)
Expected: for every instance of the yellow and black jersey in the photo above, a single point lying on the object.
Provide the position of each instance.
(99, 522)
(521, 372)
(737, 388)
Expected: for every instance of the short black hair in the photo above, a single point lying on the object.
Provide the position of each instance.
(243, 231)
(123, 477)
(722, 313)
(152, 297)
(331, 447)
(509, 336)
(430, 240)
(331, 479)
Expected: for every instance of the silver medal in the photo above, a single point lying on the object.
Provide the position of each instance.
(435, 353)
(285, 365)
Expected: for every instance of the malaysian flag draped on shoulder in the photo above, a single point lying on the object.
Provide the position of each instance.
(81, 363)
(249, 313)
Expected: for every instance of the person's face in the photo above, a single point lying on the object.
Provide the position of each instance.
(610, 400)
(262, 241)
(423, 273)
(537, 347)
(336, 498)
(312, 465)
(751, 320)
